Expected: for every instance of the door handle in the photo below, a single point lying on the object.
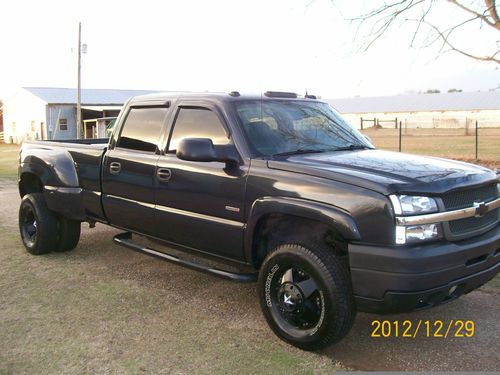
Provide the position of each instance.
(163, 174)
(115, 168)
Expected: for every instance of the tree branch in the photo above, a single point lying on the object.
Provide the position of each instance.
(385, 16)
(490, 5)
(453, 48)
(422, 18)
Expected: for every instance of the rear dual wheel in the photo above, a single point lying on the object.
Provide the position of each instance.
(305, 295)
(42, 231)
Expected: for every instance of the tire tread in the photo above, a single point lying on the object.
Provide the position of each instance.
(69, 234)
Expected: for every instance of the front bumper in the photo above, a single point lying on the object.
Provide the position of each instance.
(405, 278)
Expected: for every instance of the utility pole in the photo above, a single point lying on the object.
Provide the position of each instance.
(78, 102)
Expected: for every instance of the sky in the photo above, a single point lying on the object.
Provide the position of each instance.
(225, 45)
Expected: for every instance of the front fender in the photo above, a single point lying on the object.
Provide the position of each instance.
(331, 216)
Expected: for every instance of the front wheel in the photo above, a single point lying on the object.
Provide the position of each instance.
(306, 296)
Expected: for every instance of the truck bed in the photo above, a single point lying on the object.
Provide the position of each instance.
(74, 163)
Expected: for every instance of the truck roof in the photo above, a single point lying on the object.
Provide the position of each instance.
(162, 98)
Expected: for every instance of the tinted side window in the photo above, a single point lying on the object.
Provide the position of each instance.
(142, 128)
(197, 123)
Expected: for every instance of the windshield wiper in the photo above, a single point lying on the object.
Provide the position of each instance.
(299, 151)
(353, 147)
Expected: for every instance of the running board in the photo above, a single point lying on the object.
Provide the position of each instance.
(125, 239)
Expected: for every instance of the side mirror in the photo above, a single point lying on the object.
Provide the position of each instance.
(203, 150)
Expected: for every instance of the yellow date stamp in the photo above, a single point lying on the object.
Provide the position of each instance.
(423, 328)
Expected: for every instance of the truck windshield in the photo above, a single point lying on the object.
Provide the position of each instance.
(280, 127)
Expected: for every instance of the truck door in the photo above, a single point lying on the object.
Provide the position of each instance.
(128, 174)
(200, 204)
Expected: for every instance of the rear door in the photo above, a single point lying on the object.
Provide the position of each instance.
(200, 204)
(128, 175)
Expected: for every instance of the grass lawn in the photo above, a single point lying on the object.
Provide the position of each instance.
(9, 155)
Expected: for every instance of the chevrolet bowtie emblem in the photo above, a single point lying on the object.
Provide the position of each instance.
(481, 209)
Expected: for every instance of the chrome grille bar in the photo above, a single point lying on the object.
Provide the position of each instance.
(449, 215)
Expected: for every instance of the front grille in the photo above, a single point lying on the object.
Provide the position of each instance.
(466, 198)
(472, 224)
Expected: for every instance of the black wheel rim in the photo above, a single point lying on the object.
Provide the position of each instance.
(29, 226)
(298, 304)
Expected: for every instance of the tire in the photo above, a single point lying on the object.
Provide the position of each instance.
(69, 234)
(306, 295)
(37, 224)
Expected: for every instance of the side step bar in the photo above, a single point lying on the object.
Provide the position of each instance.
(125, 239)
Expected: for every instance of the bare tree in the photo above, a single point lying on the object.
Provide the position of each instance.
(446, 32)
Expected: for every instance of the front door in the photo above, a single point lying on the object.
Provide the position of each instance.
(200, 205)
(128, 176)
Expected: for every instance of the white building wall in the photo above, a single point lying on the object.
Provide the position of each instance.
(434, 119)
(61, 111)
(24, 117)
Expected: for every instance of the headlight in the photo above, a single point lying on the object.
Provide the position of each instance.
(412, 205)
(417, 233)
(415, 205)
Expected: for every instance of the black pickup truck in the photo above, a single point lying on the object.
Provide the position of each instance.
(280, 188)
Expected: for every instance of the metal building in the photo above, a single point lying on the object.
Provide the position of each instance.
(443, 110)
(50, 113)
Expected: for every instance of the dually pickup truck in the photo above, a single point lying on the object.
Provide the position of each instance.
(281, 189)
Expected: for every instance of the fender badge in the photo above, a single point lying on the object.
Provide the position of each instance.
(232, 209)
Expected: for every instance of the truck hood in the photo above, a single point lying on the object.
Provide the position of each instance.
(388, 172)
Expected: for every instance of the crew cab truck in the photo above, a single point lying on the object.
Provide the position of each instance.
(282, 187)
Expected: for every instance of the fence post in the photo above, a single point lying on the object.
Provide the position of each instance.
(476, 139)
(361, 122)
(400, 135)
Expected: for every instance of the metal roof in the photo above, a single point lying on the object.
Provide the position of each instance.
(101, 108)
(56, 95)
(457, 101)
(462, 101)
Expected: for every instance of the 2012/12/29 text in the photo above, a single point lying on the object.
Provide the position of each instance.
(426, 328)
